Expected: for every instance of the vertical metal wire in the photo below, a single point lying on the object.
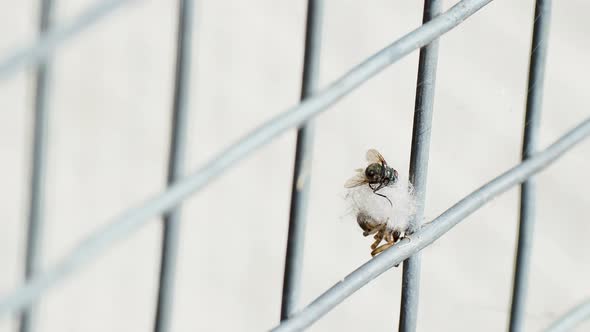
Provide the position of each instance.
(56, 36)
(178, 143)
(419, 165)
(302, 170)
(38, 168)
(529, 147)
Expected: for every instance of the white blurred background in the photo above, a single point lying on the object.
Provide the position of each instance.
(110, 106)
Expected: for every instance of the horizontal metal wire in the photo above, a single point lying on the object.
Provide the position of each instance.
(54, 37)
(134, 218)
(433, 230)
(572, 318)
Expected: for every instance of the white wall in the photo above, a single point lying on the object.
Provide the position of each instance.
(110, 112)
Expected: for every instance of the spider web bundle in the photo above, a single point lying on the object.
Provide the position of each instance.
(397, 215)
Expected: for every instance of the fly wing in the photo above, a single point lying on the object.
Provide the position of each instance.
(357, 180)
(373, 156)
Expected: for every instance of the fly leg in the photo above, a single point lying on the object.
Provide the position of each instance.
(378, 238)
(396, 235)
(381, 248)
(371, 231)
(391, 237)
(381, 185)
(387, 198)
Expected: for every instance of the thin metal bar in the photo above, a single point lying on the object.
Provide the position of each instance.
(572, 318)
(302, 169)
(38, 168)
(178, 143)
(529, 147)
(134, 218)
(432, 231)
(423, 111)
(54, 37)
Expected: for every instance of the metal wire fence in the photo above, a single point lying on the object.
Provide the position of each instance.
(313, 101)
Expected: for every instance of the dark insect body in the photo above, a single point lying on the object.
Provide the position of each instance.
(377, 175)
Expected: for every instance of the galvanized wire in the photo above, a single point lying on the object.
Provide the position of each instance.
(529, 147)
(572, 318)
(134, 218)
(178, 143)
(38, 167)
(302, 168)
(57, 35)
(433, 230)
(424, 107)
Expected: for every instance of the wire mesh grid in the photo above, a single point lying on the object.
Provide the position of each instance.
(313, 102)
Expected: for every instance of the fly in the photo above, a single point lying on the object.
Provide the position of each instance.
(377, 174)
